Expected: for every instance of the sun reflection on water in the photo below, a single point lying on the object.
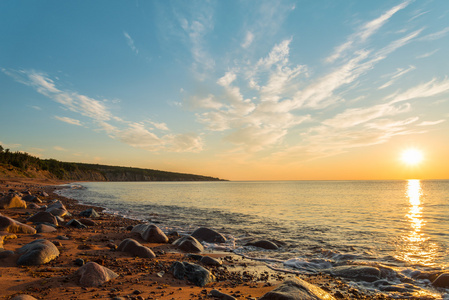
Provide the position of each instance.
(416, 248)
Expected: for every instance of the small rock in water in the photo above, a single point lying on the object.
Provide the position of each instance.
(264, 244)
(189, 244)
(208, 235)
(442, 281)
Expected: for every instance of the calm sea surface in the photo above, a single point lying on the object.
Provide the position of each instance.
(398, 226)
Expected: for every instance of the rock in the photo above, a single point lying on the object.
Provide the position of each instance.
(192, 272)
(264, 244)
(62, 237)
(5, 253)
(57, 212)
(79, 262)
(42, 228)
(76, 224)
(89, 213)
(297, 289)
(208, 235)
(189, 244)
(43, 217)
(93, 274)
(364, 273)
(220, 295)
(56, 204)
(12, 226)
(87, 222)
(43, 194)
(12, 201)
(37, 252)
(23, 297)
(442, 281)
(133, 247)
(150, 233)
(31, 198)
(33, 206)
(210, 261)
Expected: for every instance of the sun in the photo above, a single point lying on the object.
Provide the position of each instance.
(412, 156)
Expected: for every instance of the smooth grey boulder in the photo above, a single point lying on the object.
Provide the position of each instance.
(362, 273)
(192, 272)
(264, 244)
(42, 228)
(210, 261)
(37, 252)
(297, 289)
(189, 244)
(93, 275)
(43, 217)
(133, 247)
(12, 201)
(89, 213)
(208, 235)
(150, 233)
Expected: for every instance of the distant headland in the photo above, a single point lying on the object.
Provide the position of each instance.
(23, 165)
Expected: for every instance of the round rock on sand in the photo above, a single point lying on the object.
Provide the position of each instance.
(12, 201)
(189, 244)
(23, 297)
(93, 274)
(133, 247)
(43, 217)
(9, 225)
(37, 252)
(150, 233)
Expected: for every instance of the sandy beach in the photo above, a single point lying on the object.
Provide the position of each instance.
(138, 278)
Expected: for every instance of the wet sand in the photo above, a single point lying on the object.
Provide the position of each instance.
(139, 278)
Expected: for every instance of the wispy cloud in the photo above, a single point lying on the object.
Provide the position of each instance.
(249, 38)
(130, 42)
(436, 35)
(136, 134)
(59, 148)
(428, 54)
(393, 77)
(365, 31)
(69, 120)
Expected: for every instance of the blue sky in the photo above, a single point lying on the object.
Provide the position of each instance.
(233, 89)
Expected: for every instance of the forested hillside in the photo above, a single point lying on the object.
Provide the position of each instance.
(22, 164)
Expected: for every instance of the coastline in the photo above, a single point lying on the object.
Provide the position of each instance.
(139, 278)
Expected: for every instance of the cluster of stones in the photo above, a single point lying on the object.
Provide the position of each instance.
(91, 274)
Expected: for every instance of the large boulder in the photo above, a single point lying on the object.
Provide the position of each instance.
(12, 201)
(43, 217)
(359, 273)
(133, 247)
(297, 289)
(58, 209)
(37, 252)
(192, 272)
(189, 244)
(442, 281)
(208, 235)
(9, 225)
(89, 213)
(93, 274)
(150, 233)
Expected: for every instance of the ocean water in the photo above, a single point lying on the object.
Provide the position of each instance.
(399, 227)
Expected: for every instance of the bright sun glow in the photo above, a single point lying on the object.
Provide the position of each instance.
(412, 156)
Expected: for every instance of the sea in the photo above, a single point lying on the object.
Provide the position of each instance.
(400, 227)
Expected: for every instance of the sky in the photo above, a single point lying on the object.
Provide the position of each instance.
(240, 90)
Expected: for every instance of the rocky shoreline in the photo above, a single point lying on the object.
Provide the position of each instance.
(52, 247)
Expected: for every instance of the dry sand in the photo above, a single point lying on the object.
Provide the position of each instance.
(139, 278)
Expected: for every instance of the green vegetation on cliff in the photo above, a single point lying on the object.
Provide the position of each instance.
(28, 165)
